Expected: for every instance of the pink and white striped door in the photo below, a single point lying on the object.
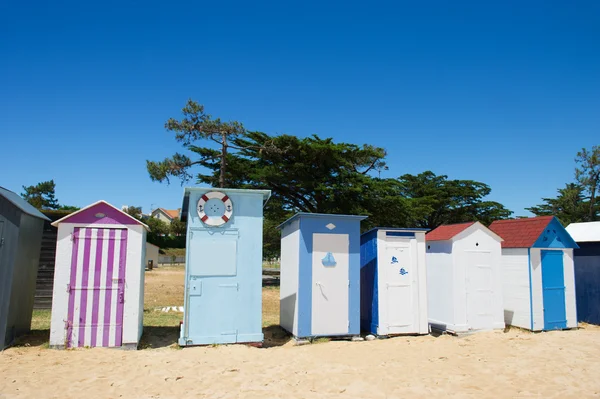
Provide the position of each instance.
(97, 287)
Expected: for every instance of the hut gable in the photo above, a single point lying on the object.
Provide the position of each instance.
(537, 232)
(100, 212)
(21, 204)
(459, 231)
(447, 231)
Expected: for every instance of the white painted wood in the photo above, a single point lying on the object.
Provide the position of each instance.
(102, 297)
(134, 285)
(515, 268)
(289, 277)
(440, 289)
(330, 305)
(537, 292)
(402, 298)
(465, 281)
(60, 296)
(480, 290)
(422, 322)
(569, 275)
(399, 287)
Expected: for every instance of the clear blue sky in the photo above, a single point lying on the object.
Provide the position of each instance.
(501, 92)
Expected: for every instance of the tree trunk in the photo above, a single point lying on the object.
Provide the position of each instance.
(223, 160)
(592, 204)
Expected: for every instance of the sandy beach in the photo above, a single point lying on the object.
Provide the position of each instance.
(490, 364)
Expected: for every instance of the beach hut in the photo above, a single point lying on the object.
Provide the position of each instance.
(393, 281)
(21, 227)
(98, 293)
(320, 275)
(464, 277)
(223, 269)
(537, 273)
(587, 270)
(152, 252)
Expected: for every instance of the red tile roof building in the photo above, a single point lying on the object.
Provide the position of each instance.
(520, 233)
(447, 231)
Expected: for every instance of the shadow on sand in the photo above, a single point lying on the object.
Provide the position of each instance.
(155, 337)
(33, 338)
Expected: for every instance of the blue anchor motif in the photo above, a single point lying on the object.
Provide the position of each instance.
(394, 260)
(403, 272)
(329, 260)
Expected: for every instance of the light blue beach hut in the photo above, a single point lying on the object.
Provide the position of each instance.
(320, 275)
(223, 271)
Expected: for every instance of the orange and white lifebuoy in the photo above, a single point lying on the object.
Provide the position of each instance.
(215, 220)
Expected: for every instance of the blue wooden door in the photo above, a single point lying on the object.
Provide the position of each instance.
(553, 286)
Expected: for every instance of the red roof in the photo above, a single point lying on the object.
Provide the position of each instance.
(520, 233)
(447, 231)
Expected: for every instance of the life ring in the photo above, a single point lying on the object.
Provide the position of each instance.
(216, 220)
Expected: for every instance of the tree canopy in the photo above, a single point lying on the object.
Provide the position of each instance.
(43, 196)
(578, 200)
(314, 174)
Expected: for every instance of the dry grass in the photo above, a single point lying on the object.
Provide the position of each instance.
(270, 311)
(164, 287)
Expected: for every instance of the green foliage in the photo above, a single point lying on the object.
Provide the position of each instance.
(177, 227)
(587, 174)
(435, 200)
(134, 211)
(42, 195)
(578, 201)
(570, 206)
(158, 228)
(196, 125)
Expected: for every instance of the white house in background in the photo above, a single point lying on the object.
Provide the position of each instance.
(166, 215)
(464, 278)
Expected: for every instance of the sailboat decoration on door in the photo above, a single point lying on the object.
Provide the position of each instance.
(329, 260)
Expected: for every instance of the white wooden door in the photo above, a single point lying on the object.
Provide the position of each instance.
(400, 274)
(480, 290)
(330, 263)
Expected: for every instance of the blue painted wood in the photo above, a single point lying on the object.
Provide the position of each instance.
(553, 286)
(369, 290)
(223, 300)
(587, 282)
(314, 223)
(555, 236)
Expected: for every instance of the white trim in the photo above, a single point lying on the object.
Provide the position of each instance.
(63, 219)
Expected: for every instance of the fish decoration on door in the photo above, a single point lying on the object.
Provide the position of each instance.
(403, 271)
(329, 260)
(394, 260)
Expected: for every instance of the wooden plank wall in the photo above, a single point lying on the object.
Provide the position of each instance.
(45, 277)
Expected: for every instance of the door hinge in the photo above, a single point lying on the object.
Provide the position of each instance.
(348, 283)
